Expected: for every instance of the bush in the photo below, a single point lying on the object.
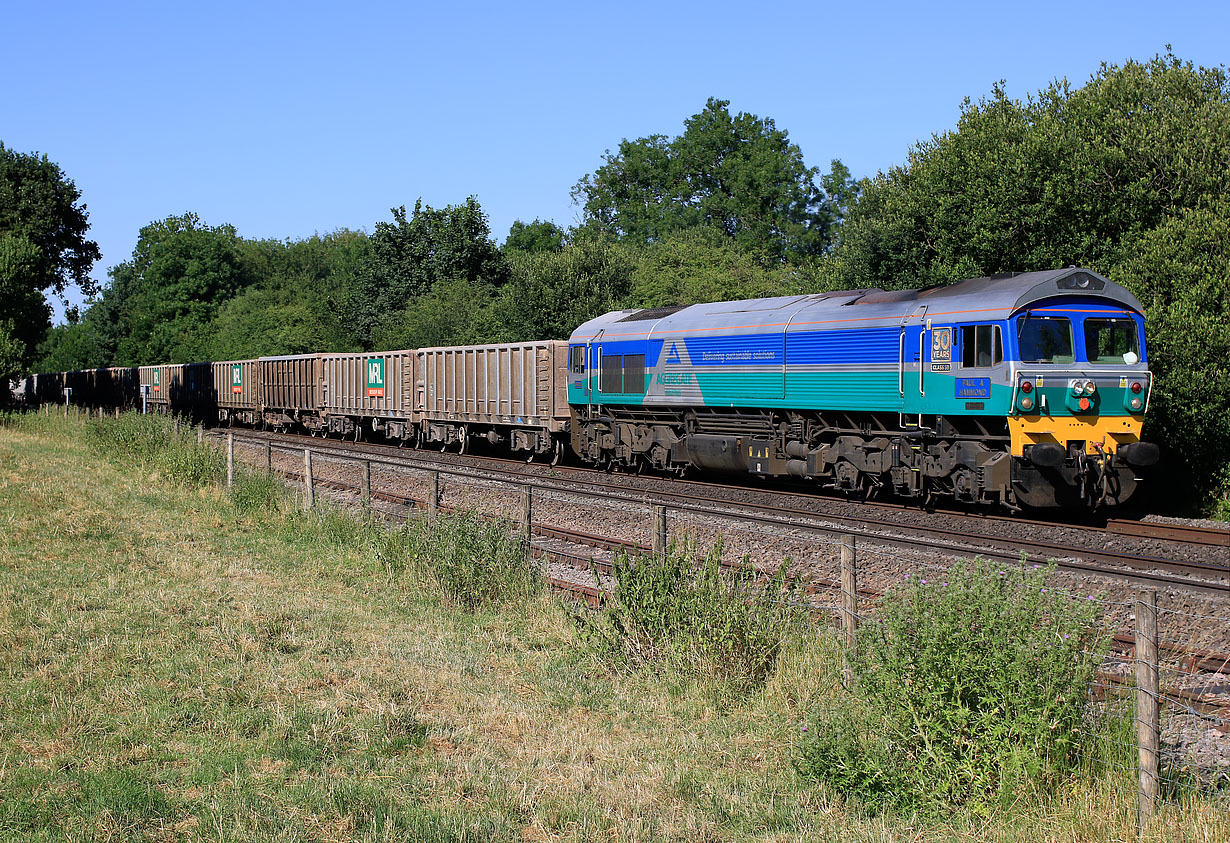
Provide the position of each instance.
(687, 613)
(968, 691)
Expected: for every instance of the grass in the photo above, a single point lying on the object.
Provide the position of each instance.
(179, 665)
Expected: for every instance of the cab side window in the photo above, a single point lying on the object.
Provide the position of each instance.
(981, 346)
(576, 359)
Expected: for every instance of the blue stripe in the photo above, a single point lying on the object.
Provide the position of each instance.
(873, 345)
(746, 350)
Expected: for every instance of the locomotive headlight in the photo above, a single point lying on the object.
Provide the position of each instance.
(1027, 403)
(1136, 403)
(1090, 387)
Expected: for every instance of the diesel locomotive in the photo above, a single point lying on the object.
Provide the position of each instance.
(1022, 389)
(1016, 390)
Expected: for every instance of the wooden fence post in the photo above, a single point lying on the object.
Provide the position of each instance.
(200, 434)
(849, 606)
(268, 457)
(366, 487)
(230, 458)
(1148, 720)
(309, 489)
(660, 542)
(433, 495)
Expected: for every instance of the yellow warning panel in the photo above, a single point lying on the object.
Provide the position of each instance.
(1107, 431)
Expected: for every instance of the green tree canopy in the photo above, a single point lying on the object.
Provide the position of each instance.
(43, 246)
(699, 265)
(552, 292)
(1126, 175)
(739, 174)
(1066, 177)
(160, 302)
(1181, 273)
(536, 236)
(410, 255)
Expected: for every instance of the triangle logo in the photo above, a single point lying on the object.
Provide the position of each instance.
(672, 356)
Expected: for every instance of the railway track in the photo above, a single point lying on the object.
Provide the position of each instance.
(805, 502)
(576, 549)
(697, 499)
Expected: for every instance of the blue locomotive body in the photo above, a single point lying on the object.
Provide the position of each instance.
(1021, 389)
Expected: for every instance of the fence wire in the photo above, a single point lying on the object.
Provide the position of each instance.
(1193, 638)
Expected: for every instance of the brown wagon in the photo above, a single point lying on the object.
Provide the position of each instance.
(161, 386)
(235, 387)
(289, 390)
(371, 389)
(512, 394)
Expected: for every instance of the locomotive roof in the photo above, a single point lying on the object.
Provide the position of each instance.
(992, 297)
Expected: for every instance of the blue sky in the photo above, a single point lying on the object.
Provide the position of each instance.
(286, 119)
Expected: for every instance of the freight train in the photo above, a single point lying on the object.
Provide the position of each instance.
(1016, 390)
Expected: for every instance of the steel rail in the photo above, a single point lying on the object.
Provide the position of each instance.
(1145, 570)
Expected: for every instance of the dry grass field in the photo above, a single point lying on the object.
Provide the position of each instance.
(175, 666)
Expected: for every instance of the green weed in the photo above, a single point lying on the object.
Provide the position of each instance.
(688, 613)
(970, 690)
(471, 560)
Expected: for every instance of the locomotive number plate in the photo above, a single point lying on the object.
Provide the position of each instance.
(941, 345)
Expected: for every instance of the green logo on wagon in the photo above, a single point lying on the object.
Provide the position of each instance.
(157, 379)
(375, 377)
(236, 378)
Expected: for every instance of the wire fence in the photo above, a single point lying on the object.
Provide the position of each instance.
(1156, 721)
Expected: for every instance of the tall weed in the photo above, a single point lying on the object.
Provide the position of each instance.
(688, 613)
(471, 560)
(969, 691)
(152, 441)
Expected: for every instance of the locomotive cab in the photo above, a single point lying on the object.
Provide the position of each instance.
(1081, 386)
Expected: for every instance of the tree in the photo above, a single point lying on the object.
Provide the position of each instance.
(410, 255)
(699, 265)
(43, 247)
(537, 236)
(297, 302)
(1127, 176)
(160, 302)
(1067, 177)
(739, 174)
(1181, 273)
(550, 293)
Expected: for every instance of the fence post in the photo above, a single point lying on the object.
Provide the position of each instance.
(230, 457)
(268, 457)
(1148, 720)
(433, 495)
(309, 489)
(366, 488)
(175, 426)
(659, 532)
(849, 606)
(200, 434)
(527, 512)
